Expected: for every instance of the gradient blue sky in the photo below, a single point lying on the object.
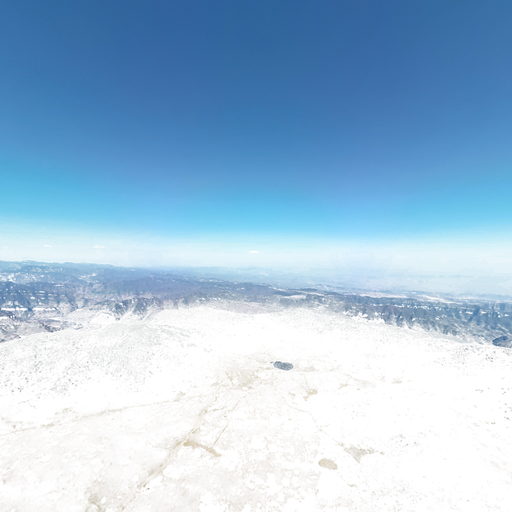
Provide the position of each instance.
(239, 122)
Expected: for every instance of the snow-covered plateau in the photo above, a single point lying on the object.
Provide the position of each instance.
(184, 411)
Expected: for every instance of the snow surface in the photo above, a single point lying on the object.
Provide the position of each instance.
(184, 411)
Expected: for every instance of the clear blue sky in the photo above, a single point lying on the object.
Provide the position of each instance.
(341, 120)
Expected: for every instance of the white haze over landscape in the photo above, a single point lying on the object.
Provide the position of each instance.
(459, 265)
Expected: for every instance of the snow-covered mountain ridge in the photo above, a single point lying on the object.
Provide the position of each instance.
(38, 297)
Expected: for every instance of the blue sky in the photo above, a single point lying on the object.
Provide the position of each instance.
(253, 123)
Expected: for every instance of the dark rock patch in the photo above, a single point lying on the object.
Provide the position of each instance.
(502, 341)
(283, 366)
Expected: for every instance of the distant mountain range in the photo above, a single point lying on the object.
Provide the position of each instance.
(36, 297)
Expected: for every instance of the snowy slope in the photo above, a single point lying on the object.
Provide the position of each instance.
(184, 411)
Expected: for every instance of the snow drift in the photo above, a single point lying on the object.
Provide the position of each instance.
(185, 411)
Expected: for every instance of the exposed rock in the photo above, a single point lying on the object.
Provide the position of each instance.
(283, 366)
(502, 341)
(327, 464)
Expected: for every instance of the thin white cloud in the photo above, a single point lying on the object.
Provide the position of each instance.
(253, 251)
(97, 246)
